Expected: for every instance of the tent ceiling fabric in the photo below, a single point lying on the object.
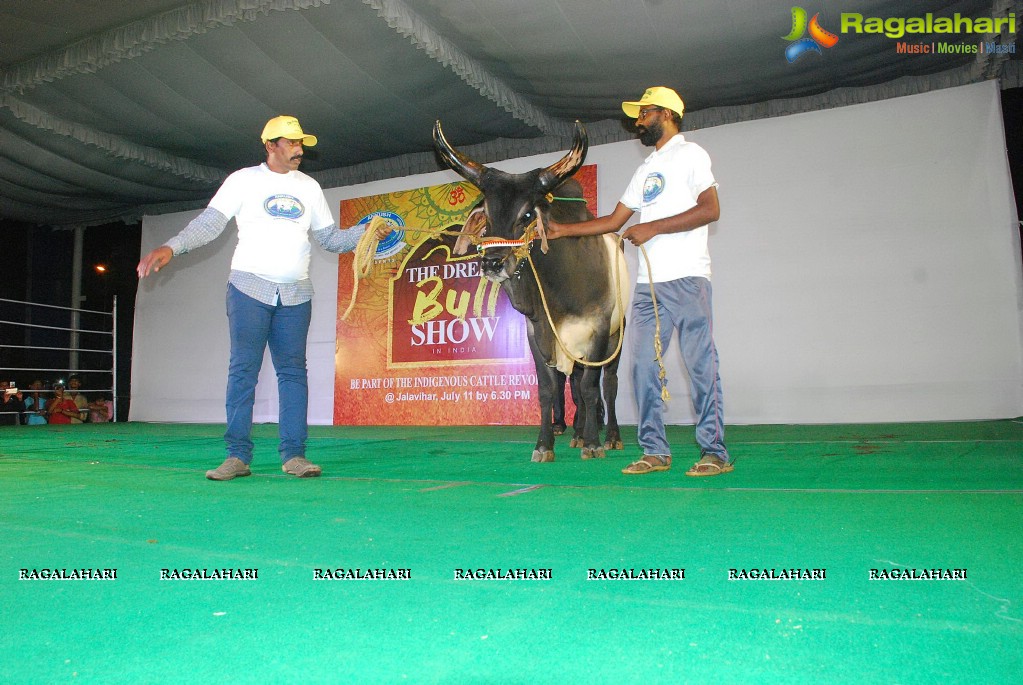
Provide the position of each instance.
(111, 110)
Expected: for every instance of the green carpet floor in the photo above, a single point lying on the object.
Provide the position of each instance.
(847, 499)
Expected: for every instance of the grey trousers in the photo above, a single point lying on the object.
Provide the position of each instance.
(684, 305)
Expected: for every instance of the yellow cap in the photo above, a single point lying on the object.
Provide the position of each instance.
(287, 127)
(659, 96)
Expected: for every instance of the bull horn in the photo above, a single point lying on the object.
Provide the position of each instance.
(554, 175)
(468, 168)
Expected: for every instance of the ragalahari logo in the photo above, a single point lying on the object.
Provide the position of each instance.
(819, 36)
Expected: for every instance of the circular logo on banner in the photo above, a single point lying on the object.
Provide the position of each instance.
(652, 187)
(284, 207)
(395, 240)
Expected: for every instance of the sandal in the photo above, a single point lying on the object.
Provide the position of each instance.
(662, 463)
(710, 465)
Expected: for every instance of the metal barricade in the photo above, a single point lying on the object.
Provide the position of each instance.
(49, 343)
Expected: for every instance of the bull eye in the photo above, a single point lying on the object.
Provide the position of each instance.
(528, 216)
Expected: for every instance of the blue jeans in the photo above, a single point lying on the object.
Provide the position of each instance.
(254, 326)
(684, 305)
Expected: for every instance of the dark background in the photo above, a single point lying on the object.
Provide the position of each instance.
(38, 264)
(37, 261)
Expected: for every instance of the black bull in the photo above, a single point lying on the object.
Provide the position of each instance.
(583, 280)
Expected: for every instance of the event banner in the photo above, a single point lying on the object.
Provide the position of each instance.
(426, 339)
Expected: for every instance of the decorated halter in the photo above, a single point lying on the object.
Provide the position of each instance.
(534, 230)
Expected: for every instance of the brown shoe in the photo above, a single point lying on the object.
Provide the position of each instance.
(301, 467)
(233, 467)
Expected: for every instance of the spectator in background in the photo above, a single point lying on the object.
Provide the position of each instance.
(61, 408)
(12, 408)
(35, 406)
(73, 385)
(101, 410)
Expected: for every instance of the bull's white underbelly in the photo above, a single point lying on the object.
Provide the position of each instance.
(576, 332)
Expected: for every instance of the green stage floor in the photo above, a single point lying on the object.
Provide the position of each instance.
(842, 501)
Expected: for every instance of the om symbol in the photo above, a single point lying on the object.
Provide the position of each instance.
(457, 196)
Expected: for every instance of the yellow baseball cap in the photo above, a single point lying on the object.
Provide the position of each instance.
(287, 127)
(657, 95)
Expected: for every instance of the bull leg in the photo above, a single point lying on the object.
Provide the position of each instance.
(589, 391)
(613, 437)
(546, 381)
(579, 420)
(559, 403)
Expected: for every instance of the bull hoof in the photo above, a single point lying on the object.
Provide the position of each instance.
(593, 453)
(559, 429)
(576, 442)
(542, 457)
(614, 445)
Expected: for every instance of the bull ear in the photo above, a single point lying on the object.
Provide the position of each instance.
(554, 175)
(475, 226)
(468, 168)
(541, 230)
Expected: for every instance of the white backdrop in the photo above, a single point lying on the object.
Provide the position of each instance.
(866, 269)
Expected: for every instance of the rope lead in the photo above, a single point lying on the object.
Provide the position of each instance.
(362, 266)
(362, 259)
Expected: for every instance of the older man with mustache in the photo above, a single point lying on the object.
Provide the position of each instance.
(269, 292)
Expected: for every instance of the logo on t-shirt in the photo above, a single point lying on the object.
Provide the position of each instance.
(652, 187)
(284, 207)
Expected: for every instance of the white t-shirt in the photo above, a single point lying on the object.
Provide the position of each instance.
(274, 213)
(667, 183)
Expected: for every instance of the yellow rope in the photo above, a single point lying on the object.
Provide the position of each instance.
(550, 319)
(362, 266)
(362, 259)
(662, 375)
(365, 251)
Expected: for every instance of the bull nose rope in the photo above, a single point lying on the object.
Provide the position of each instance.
(365, 249)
